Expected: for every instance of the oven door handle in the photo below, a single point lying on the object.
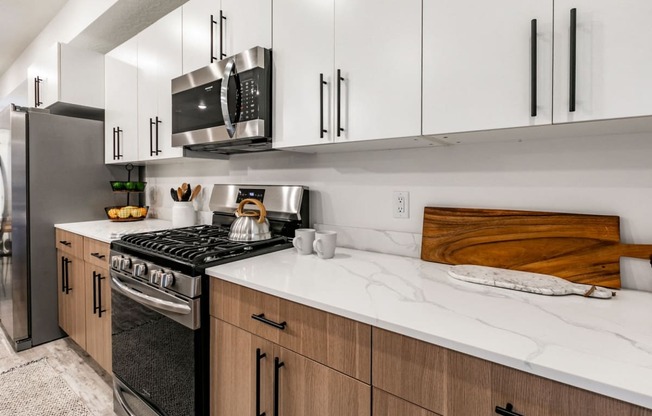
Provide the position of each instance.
(149, 300)
(123, 403)
(224, 97)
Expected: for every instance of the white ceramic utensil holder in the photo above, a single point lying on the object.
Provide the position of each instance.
(183, 214)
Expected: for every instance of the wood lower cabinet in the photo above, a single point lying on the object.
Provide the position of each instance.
(72, 299)
(385, 404)
(85, 294)
(98, 314)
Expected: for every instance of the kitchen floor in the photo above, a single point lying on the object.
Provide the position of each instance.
(84, 376)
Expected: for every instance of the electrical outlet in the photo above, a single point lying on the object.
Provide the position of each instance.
(401, 204)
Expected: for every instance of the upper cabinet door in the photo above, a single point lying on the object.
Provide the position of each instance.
(121, 103)
(200, 34)
(613, 63)
(302, 56)
(478, 66)
(246, 23)
(159, 60)
(43, 79)
(378, 53)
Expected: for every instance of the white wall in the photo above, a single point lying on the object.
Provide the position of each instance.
(71, 20)
(610, 175)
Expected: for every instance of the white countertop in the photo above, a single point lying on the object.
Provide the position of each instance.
(599, 345)
(107, 231)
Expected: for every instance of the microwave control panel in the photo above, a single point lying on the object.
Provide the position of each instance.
(248, 100)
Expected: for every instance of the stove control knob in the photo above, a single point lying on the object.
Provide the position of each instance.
(140, 270)
(115, 262)
(155, 277)
(167, 279)
(125, 263)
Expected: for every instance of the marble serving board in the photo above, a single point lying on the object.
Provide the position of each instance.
(542, 284)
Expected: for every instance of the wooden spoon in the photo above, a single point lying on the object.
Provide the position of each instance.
(195, 192)
(180, 194)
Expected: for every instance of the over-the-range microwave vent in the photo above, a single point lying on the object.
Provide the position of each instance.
(249, 145)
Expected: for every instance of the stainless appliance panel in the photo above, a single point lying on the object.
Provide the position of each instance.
(219, 134)
(281, 201)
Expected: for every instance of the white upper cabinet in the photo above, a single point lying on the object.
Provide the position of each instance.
(478, 66)
(380, 82)
(213, 30)
(302, 52)
(66, 74)
(613, 62)
(378, 53)
(159, 61)
(121, 103)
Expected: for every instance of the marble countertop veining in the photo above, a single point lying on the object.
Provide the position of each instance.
(107, 231)
(599, 345)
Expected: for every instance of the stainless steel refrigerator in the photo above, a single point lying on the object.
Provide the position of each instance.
(53, 171)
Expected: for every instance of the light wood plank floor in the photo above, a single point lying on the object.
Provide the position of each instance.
(84, 376)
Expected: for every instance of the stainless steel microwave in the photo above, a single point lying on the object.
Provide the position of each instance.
(225, 107)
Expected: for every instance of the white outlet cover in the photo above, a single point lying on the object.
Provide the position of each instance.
(401, 204)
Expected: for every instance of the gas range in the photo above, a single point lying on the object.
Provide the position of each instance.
(160, 302)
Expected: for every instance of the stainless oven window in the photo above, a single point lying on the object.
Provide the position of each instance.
(155, 355)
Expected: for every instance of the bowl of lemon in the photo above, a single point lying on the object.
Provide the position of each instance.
(126, 213)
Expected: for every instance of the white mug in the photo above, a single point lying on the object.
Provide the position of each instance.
(303, 238)
(324, 244)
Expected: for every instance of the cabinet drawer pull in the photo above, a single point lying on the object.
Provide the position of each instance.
(533, 68)
(213, 22)
(118, 132)
(277, 366)
(339, 128)
(259, 356)
(507, 411)
(573, 60)
(222, 24)
(98, 255)
(261, 318)
(66, 243)
(321, 106)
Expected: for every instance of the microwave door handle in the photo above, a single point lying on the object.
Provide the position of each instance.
(224, 97)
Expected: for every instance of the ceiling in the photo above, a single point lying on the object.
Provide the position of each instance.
(21, 21)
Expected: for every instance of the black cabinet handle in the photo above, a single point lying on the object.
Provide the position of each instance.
(37, 91)
(98, 255)
(339, 101)
(115, 156)
(94, 292)
(157, 149)
(321, 106)
(68, 288)
(99, 295)
(507, 410)
(533, 68)
(277, 366)
(63, 274)
(261, 318)
(151, 136)
(259, 356)
(222, 28)
(118, 132)
(213, 22)
(573, 60)
(65, 243)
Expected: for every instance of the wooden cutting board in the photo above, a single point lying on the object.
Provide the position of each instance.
(579, 248)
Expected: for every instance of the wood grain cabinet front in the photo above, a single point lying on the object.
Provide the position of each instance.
(98, 314)
(339, 343)
(71, 296)
(70, 243)
(385, 404)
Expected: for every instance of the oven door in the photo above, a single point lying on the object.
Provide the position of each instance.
(157, 346)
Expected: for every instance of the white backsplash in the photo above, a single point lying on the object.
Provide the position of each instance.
(606, 175)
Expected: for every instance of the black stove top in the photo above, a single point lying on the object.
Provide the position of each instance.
(197, 247)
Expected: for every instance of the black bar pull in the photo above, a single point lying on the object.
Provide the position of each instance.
(115, 156)
(277, 366)
(157, 149)
(151, 136)
(37, 91)
(213, 22)
(68, 288)
(100, 311)
(65, 243)
(573, 60)
(533, 68)
(321, 106)
(63, 274)
(259, 356)
(98, 255)
(94, 292)
(339, 102)
(222, 28)
(507, 410)
(118, 131)
(261, 318)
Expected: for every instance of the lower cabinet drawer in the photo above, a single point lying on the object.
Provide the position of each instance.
(96, 252)
(410, 369)
(337, 342)
(385, 404)
(70, 243)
